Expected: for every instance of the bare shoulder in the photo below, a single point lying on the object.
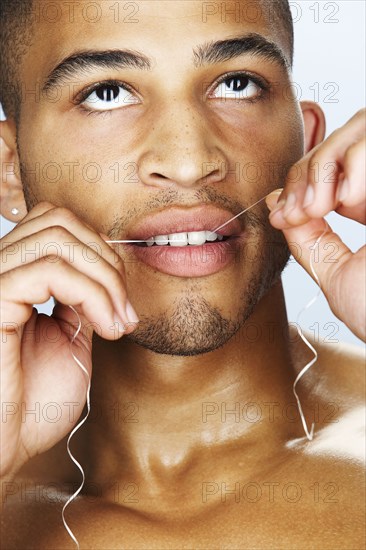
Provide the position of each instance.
(327, 473)
(30, 513)
(335, 389)
(347, 364)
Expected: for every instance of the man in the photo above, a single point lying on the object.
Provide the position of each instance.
(146, 113)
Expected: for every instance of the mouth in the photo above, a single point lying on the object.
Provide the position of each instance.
(190, 238)
(183, 241)
(187, 225)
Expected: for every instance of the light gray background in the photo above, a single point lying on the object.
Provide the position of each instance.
(330, 68)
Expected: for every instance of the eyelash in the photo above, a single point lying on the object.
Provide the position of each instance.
(84, 94)
(263, 84)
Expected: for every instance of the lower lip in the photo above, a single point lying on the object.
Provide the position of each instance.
(190, 260)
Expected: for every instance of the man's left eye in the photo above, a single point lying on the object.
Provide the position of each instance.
(237, 87)
(106, 97)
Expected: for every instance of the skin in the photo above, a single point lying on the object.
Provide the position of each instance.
(152, 483)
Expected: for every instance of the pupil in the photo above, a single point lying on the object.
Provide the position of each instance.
(108, 94)
(238, 84)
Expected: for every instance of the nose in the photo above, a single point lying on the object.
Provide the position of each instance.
(181, 149)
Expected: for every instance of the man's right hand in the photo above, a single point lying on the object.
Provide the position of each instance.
(43, 390)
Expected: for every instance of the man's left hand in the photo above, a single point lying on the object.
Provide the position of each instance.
(330, 177)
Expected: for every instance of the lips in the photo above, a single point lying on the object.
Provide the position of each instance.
(191, 260)
(180, 220)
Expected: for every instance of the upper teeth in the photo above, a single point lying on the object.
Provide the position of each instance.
(183, 239)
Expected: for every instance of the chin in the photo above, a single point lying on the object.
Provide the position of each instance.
(188, 346)
(195, 327)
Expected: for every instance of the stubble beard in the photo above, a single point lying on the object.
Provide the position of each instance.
(195, 326)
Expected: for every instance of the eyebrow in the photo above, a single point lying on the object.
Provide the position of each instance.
(253, 44)
(87, 60)
(208, 53)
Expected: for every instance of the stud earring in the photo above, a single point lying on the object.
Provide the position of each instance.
(14, 211)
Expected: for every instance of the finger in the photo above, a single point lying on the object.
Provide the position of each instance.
(52, 244)
(44, 217)
(39, 209)
(339, 272)
(314, 184)
(319, 251)
(67, 285)
(352, 191)
(326, 167)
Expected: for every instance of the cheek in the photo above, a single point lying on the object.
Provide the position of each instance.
(262, 143)
(76, 170)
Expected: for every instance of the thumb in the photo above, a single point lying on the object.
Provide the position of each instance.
(313, 244)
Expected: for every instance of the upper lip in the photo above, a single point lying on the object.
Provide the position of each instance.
(180, 220)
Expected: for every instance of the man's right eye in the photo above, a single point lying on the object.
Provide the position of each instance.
(106, 97)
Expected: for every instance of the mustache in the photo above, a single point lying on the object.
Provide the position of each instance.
(171, 197)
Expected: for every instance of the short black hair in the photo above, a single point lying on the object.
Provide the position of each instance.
(283, 19)
(16, 30)
(17, 21)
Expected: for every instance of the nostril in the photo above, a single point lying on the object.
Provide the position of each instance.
(157, 175)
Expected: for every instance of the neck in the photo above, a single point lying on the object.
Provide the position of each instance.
(156, 417)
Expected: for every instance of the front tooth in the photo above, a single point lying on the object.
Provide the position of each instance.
(197, 237)
(220, 237)
(178, 239)
(150, 241)
(161, 239)
(211, 236)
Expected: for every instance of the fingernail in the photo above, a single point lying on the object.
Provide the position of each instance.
(290, 203)
(272, 199)
(343, 191)
(309, 196)
(131, 313)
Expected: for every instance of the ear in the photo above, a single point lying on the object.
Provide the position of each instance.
(11, 188)
(314, 124)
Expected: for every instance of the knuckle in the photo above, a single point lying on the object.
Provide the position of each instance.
(354, 149)
(48, 260)
(57, 232)
(352, 154)
(62, 215)
(335, 134)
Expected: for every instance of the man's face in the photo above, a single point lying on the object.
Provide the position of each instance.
(186, 134)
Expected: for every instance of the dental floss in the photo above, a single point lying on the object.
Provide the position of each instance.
(240, 213)
(309, 435)
(73, 496)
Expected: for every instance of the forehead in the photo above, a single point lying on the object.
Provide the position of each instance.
(165, 30)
